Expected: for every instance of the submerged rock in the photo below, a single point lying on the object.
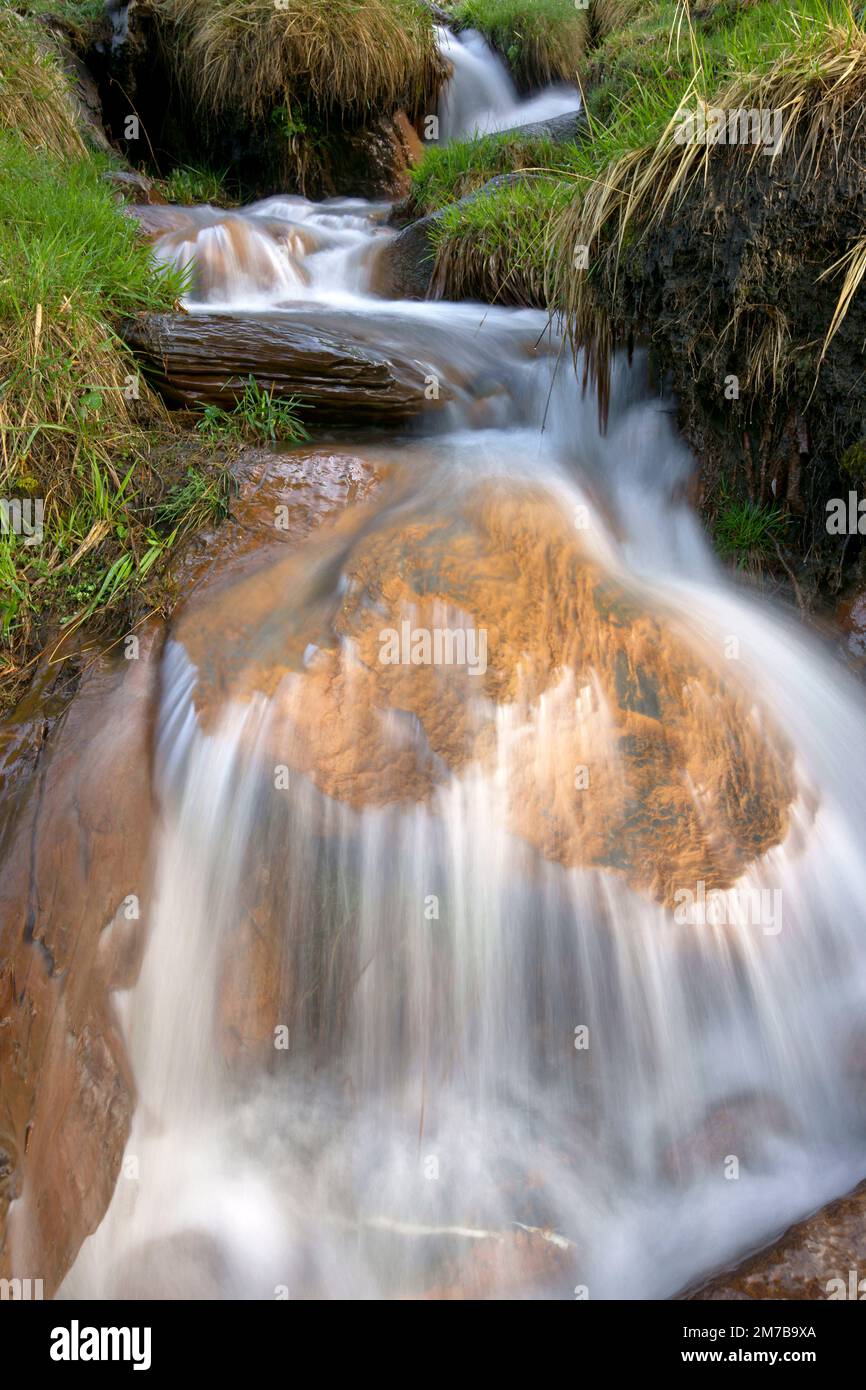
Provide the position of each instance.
(576, 680)
(737, 1127)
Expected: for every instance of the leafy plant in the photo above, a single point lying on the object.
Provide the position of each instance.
(197, 500)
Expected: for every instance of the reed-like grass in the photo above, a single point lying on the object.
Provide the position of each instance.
(807, 61)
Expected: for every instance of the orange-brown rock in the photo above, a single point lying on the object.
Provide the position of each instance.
(686, 780)
(738, 1126)
(815, 1259)
(73, 908)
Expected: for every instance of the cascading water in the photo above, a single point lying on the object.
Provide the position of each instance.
(503, 1061)
(481, 97)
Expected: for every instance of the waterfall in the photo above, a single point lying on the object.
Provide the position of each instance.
(480, 97)
(414, 1016)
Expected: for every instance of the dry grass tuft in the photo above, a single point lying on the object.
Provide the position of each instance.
(34, 94)
(341, 57)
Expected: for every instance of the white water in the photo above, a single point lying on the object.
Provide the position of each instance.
(481, 98)
(286, 249)
(452, 1040)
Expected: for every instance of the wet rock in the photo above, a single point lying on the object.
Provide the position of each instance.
(513, 1264)
(188, 1264)
(251, 989)
(135, 187)
(561, 129)
(85, 95)
(74, 853)
(282, 497)
(737, 1126)
(819, 1258)
(324, 359)
(687, 784)
(302, 489)
(851, 617)
(404, 268)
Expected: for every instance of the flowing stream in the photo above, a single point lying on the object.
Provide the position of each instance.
(500, 1056)
(481, 97)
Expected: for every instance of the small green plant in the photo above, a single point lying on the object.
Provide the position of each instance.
(198, 500)
(259, 416)
(749, 533)
(853, 461)
(188, 186)
(287, 122)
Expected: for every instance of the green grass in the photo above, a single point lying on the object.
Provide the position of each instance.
(188, 185)
(493, 248)
(748, 534)
(259, 417)
(449, 172)
(81, 22)
(78, 426)
(197, 500)
(639, 75)
(82, 13)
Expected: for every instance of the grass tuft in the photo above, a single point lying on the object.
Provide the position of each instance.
(749, 534)
(252, 56)
(808, 63)
(35, 100)
(187, 185)
(258, 417)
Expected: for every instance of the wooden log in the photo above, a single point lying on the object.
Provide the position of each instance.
(330, 360)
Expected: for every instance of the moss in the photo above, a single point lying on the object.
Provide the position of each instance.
(450, 172)
(853, 461)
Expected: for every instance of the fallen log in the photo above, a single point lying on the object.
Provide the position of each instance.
(327, 360)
